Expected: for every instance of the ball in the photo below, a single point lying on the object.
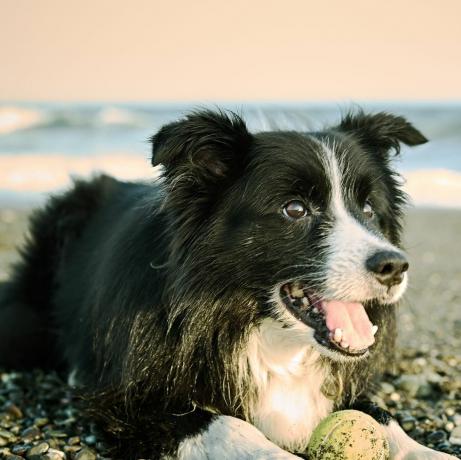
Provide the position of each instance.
(348, 435)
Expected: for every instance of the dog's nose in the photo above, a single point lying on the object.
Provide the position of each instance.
(388, 267)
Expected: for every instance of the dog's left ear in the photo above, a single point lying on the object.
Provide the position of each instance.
(381, 132)
(204, 147)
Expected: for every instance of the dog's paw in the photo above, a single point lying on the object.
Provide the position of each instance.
(275, 456)
(403, 447)
(423, 453)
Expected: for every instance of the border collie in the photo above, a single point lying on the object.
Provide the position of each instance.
(223, 310)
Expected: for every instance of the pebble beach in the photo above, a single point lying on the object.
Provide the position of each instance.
(39, 418)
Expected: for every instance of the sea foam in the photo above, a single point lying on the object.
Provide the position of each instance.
(49, 173)
(17, 118)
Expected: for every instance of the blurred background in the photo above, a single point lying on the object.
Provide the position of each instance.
(84, 84)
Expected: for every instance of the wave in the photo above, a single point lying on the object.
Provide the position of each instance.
(48, 173)
(117, 116)
(16, 118)
(29, 173)
(13, 119)
(434, 187)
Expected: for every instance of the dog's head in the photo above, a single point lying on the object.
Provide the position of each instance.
(305, 223)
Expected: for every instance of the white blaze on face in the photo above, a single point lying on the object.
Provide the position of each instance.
(350, 244)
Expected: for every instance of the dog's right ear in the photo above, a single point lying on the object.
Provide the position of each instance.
(206, 147)
(381, 132)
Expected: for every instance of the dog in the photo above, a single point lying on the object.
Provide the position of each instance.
(224, 309)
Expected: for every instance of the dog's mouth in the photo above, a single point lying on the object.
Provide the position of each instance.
(338, 325)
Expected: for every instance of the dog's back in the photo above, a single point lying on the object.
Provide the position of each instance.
(27, 320)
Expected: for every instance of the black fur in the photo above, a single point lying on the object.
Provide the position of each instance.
(150, 290)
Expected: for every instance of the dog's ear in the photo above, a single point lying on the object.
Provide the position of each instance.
(381, 132)
(204, 146)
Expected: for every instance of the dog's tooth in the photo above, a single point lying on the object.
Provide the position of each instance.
(374, 329)
(305, 302)
(315, 310)
(338, 335)
(296, 292)
(298, 289)
(345, 344)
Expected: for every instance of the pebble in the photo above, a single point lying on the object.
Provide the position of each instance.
(408, 423)
(71, 449)
(13, 410)
(54, 454)
(73, 440)
(90, 440)
(387, 388)
(437, 437)
(457, 419)
(415, 385)
(36, 407)
(9, 437)
(41, 421)
(455, 436)
(37, 450)
(409, 383)
(55, 434)
(30, 434)
(20, 449)
(85, 454)
(449, 426)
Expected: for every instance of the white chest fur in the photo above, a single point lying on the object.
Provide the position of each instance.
(284, 368)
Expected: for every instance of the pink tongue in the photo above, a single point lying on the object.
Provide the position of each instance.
(352, 319)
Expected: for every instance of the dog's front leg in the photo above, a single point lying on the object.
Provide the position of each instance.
(229, 438)
(401, 446)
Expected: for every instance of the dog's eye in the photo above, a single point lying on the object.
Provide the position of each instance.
(368, 211)
(295, 209)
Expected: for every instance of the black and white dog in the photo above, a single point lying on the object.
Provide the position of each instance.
(223, 310)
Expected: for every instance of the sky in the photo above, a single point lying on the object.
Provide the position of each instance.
(239, 50)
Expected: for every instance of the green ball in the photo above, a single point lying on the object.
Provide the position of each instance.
(348, 435)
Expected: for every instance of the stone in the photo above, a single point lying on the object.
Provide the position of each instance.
(56, 434)
(414, 385)
(54, 454)
(13, 411)
(449, 426)
(41, 421)
(7, 435)
(73, 440)
(38, 450)
(85, 454)
(408, 422)
(437, 437)
(31, 434)
(20, 449)
(455, 436)
(387, 388)
(90, 440)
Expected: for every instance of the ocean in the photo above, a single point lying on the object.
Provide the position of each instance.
(43, 144)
